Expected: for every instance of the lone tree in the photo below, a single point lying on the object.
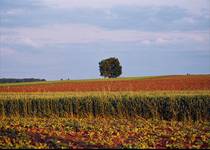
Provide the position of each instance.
(110, 68)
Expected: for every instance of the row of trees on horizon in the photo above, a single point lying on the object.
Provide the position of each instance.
(15, 80)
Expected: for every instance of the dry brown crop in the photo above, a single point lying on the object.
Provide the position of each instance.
(191, 82)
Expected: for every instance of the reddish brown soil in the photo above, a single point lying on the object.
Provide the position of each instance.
(190, 82)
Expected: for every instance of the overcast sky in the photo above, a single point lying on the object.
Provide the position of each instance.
(56, 39)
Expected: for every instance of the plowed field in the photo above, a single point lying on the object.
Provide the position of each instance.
(181, 82)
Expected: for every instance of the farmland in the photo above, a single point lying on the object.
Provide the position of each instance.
(101, 133)
(158, 106)
(146, 112)
(181, 82)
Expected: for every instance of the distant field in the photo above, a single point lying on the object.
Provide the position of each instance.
(151, 83)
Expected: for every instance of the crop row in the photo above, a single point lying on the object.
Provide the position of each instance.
(176, 107)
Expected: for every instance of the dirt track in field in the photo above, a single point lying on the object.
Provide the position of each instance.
(190, 82)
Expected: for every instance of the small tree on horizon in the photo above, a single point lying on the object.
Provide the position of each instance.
(110, 67)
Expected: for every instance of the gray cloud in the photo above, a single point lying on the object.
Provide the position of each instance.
(190, 5)
(81, 33)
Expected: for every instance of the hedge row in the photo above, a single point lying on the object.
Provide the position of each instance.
(194, 107)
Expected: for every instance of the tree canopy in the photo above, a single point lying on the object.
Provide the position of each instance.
(110, 67)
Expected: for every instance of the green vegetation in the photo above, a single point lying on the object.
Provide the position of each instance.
(14, 80)
(158, 106)
(82, 80)
(110, 67)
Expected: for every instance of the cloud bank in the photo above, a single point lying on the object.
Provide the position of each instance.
(191, 5)
(80, 33)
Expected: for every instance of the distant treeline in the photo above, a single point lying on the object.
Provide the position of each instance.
(13, 80)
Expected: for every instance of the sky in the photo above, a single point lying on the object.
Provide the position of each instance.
(56, 39)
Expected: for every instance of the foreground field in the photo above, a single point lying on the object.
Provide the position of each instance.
(153, 112)
(102, 133)
(162, 119)
(178, 82)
